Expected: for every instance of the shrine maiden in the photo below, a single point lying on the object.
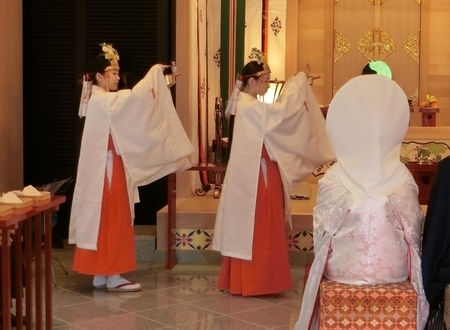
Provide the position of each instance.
(130, 138)
(274, 147)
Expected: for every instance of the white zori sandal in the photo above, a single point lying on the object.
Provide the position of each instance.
(117, 283)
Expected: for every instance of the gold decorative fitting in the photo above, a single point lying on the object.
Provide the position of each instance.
(376, 45)
(336, 1)
(411, 46)
(377, 2)
(414, 98)
(418, 1)
(341, 45)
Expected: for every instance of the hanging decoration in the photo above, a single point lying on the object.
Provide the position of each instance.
(217, 58)
(377, 2)
(276, 25)
(202, 105)
(265, 29)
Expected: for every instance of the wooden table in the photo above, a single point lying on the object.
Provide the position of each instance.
(28, 225)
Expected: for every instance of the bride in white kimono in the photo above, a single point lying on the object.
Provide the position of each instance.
(367, 219)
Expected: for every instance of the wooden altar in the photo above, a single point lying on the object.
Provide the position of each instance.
(28, 225)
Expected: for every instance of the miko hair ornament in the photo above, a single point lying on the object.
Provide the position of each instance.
(111, 55)
(231, 104)
(260, 58)
(85, 95)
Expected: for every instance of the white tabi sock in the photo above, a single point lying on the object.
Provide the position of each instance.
(100, 281)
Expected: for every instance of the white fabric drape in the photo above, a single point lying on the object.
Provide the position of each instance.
(277, 38)
(205, 65)
(276, 30)
(213, 58)
(253, 28)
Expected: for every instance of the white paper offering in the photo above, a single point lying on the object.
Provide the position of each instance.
(302, 191)
(11, 197)
(31, 191)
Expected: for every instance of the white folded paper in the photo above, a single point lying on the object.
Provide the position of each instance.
(31, 191)
(302, 191)
(10, 197)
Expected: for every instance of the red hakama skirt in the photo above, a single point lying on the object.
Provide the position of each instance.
(115, 252)
(269, 270)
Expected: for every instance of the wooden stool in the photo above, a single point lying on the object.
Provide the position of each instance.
(348, 306)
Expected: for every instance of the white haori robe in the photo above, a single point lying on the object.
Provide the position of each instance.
(147, 134)
(293, 131)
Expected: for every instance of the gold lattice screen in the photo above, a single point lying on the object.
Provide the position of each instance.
(371, 30)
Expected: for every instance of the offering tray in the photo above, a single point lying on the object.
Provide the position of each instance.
(5, 212)
(19, 208)
(41, 199)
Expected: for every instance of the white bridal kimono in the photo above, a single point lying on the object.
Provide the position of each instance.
(293, 131)
(367, 219)
(147, 134)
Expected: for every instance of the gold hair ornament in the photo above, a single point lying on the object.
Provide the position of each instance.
(260, 57)
(111, 55)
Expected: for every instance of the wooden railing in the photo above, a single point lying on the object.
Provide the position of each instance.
(29, 229)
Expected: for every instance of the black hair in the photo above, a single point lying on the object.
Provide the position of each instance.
(250, 70)
(368, 70)
(97, 64)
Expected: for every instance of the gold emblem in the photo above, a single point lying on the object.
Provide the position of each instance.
(411, 46)
(376, 45)
(341, 45)
(377, 2)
